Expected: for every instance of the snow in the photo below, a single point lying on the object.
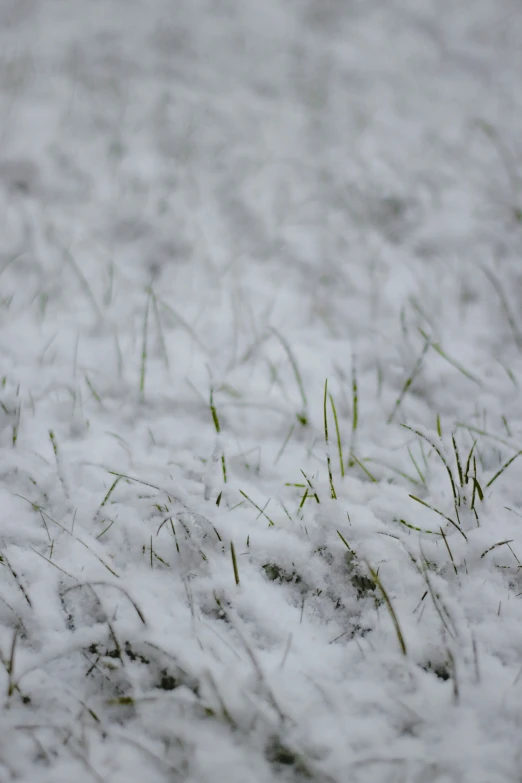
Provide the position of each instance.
(237, 201)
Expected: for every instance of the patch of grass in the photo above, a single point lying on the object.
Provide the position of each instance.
(441, 457)
(363, 584)
(441, 670)
(276, 573)
(281, 754)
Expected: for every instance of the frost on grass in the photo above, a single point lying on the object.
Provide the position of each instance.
(260, 417)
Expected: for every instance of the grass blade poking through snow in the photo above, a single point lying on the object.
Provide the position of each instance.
(503, 468)
(217, 426)
(457, 458)
(328, 460)
(421, 475)
(436, 510)
(355, 412)
(303, 415)
(143, 367)
(364, 468)
(345, 542)
(409, 381)
(159, 326)
(449, 551)
(261, 511)
(517, 335)
(468, 462)
(234, 563)
(442, 458)
(417, 529)
(436, 347)
(285, 444)
(59, 469)
(107, 496)
(375, 576)
(338, 435)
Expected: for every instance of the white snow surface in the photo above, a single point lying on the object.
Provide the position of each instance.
(245, 198)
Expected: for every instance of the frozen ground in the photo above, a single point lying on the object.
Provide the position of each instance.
(252, 197)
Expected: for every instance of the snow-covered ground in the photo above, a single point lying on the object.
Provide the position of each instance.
(208, 209)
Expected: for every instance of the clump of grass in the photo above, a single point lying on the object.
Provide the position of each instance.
(276, 573)
(440, 670)
(281, 755)
(441, 457)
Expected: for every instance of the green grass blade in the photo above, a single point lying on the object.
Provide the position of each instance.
(234, 563)
(143, 368)
(409, 381)
(454, 363)
(338, 435)
(355, 410)
(303, 416)
(441, 457)
(436, 510)
(421, 475)
(328, 460)
(261, 511)
(503, 468)
(391, 610)
(363, 467)
(457, 458)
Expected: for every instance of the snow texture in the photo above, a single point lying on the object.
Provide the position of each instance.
(207, 209)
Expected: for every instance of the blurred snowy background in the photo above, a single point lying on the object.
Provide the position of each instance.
(207, 209)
